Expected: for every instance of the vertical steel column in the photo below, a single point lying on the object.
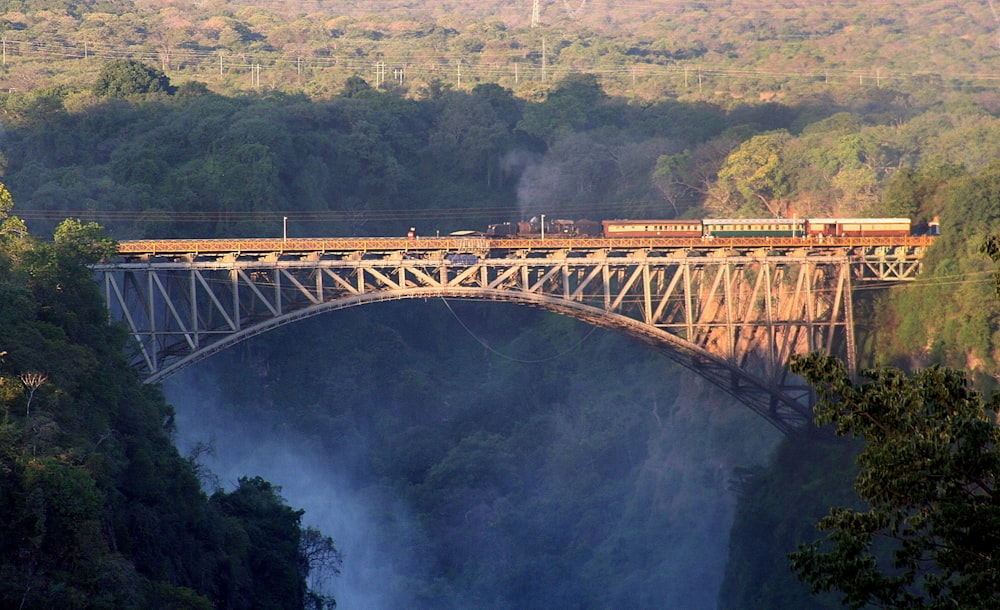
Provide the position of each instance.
(647, 294)
(852, 355)
(811, 276)
(277, 290)
(835, 307)
(727, 294)
(195, 318)
(237, 314)
(152, 316)
(606, 272)
(688, 302)
(770, 365)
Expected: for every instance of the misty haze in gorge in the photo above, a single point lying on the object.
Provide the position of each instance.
(469, 455)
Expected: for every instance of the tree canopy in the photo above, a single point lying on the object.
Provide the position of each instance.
(929, 534)
(126, 77)
(97, 508)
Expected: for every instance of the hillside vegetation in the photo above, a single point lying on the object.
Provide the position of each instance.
(97, 509)
(446, 117)
(719, 51)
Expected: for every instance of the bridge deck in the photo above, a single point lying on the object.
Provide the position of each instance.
(483, 246)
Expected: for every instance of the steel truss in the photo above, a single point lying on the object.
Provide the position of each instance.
(734, 317)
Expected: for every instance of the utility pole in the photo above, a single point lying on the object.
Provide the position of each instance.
(535, 13)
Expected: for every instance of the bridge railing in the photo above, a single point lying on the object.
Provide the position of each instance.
(334, 245)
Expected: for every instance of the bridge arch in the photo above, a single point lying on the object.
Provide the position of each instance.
(734, 316)
(785, 409)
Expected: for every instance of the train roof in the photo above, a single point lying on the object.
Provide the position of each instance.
(860, 220)
(659, 220)
(743, 221)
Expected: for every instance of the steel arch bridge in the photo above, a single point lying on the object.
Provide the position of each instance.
(733, 312)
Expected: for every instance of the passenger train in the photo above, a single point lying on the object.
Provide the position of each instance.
(810, 230)
(711, 228)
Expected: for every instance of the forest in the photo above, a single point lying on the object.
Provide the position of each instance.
(98, 508)
(496, 458)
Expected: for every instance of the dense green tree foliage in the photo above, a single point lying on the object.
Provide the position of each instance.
(576, 103)
(369, 163)
(928, 534)
(97, 509)
(950, 317)
(753, 182)
(125, 77)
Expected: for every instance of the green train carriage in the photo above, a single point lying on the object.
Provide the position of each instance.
(754, 227)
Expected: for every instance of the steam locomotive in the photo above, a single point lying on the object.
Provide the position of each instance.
(711, 228)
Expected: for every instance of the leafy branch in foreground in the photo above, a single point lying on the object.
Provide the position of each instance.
(930, 536)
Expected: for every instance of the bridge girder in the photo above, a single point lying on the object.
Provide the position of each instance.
(734, 317)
